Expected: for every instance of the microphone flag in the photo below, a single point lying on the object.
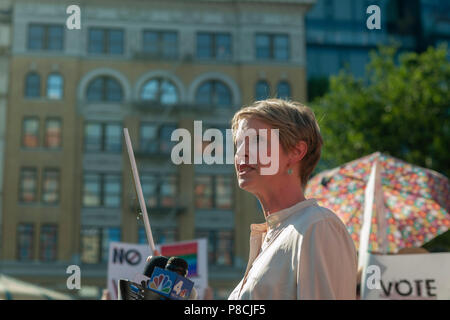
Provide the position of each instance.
(170, 284)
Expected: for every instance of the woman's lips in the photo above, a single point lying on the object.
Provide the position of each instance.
(245, 168)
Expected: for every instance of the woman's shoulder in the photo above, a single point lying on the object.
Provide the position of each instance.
(309, 216)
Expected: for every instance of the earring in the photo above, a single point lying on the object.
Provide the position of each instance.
(290, 171)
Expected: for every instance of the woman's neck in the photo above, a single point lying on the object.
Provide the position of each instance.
(276, 199)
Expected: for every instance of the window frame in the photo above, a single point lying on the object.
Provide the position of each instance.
(31, 247)
(103, 139)
(58, 190)
(36, 183)
(102, 193)
(105, 98)
(27, 85)
(61, 97)
(46, 127)
(160, 81)
(106, 41)
(159, 180)
(213, 92)
(22, 139)
(271, 36)
(289, 88)
(267, 87)
(159, 127)
(214, 45)
(214, 193)
(160, 43)
(45, 41)
(55, 248)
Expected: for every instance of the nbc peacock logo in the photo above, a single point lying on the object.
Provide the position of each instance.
(161, 283)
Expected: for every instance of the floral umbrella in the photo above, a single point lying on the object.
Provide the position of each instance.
(416, 200)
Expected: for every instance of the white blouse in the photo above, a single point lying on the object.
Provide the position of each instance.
(301, 252)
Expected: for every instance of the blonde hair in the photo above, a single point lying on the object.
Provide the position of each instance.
(295, 122)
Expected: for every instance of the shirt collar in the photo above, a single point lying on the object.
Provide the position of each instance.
(275, 218)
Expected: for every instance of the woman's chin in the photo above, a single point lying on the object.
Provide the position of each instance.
(247, 184)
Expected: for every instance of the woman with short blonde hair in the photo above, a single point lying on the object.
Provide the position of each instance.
(302, 251)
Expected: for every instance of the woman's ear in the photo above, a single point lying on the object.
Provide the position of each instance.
(299, 151)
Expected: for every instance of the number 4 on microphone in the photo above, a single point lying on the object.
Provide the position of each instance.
(177, 289)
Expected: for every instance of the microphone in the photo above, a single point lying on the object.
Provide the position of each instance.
(155, 261)
(162, 279)
(177, 265)
(180, 266)
(171, 282)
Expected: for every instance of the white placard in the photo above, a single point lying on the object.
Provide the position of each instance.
(407, 277)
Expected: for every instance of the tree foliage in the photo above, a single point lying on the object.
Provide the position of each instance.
(401, 107)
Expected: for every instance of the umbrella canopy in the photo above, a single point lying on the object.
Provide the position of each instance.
(14, 289)
(416, 201)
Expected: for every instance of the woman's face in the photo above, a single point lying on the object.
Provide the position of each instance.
(248, 171)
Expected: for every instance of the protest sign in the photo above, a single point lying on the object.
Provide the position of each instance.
(406, 277)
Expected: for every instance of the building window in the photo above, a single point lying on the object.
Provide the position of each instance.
(52, 133)
(54, 86)
(160, 236)
(159, 190)
(33, 85)
(213, 191)
(50, 186)
(103, 137)
(262, 90)
(160, 90)
(220, 246)
(45, 37)
(106, 41)
(48, 241)
(30, 133)
(155, 138)
(102, 190)
(214, 93)
(95, 243)
(160, 44)
(109, 235)
(111, 191)
(272, 46)
(112, 138)
(104, 89)
(213, 46)
(25, 241)
(90, 245)
(223, 192)
(28, 185)
(283, 90)
(92, 190)
(204, 192)
(93, 137)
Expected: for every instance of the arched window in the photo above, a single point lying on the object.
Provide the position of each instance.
(262, 90)
(160, 90)
(54, 86)
(283, 90)
(214, 93)
(33, 85)
(104, 88)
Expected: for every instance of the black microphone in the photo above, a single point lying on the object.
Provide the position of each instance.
(140, 291)
(180, 266)
(177, 265)
(155, 261)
